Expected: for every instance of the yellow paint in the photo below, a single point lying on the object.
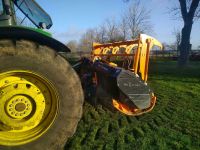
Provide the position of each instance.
(28, 106)
(113, 64)
(115, 50)
(136, 51)
(125, 109)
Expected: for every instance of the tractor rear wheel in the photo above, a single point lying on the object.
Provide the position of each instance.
(41, 97)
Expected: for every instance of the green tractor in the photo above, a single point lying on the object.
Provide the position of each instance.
(41, 96)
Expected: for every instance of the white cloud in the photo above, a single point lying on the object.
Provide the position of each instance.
(72, 33)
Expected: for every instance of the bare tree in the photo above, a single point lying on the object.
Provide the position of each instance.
(72, 45)
(138, 19)
(135, 21)
(101, 34)
(177, 35)
(87, 39)
(190, 12)
(113, 30)
(123, 29)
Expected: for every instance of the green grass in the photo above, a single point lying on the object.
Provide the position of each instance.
(174, 123)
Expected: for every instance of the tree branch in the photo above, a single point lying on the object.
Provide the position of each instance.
(193, 8)
(183, 9)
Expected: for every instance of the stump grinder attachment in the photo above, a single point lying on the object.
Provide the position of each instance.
(116, 75)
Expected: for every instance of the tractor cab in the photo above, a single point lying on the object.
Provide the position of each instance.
(6, 14)
(29, 8)
(1, 8)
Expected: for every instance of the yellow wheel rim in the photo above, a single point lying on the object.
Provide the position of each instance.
(28, 107)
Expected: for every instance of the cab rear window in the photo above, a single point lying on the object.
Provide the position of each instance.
(1, 7)
(34, 12)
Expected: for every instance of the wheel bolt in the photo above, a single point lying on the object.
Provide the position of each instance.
(15, 86)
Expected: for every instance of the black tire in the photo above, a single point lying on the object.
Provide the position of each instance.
(27, 55)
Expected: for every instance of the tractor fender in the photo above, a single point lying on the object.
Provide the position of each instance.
(32, 35)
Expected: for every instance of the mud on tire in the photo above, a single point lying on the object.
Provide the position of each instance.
(27, 55)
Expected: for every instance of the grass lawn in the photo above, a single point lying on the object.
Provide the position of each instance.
(174, 123)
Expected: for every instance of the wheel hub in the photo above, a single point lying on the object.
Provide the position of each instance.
(19, 107)
(28, 107)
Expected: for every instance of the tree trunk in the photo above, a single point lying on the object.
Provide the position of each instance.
(185, 45)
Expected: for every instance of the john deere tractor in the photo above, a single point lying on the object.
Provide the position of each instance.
(41, 94)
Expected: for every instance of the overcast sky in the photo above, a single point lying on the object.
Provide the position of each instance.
(72, 18)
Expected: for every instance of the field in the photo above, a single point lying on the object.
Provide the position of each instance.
(174, 123)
